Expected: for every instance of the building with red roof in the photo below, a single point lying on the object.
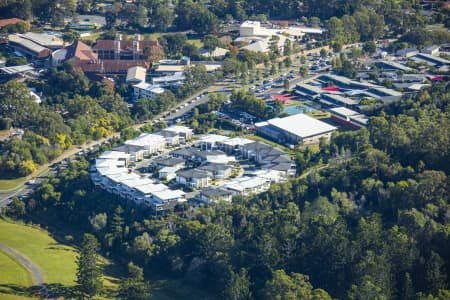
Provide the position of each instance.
(11, 21)
(120, 49)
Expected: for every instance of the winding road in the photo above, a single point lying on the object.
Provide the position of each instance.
(36, 273)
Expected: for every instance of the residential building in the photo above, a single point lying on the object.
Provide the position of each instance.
(217, 171)
(193, 178)
(146, 90)
(246, 186)
(172, 138)
(151, 143)
(211, 141)
(167, 173)
(299, 128)
(167, 199)
(136, 152)
(171, 162)
(184, 132)
(213, 195)
(187, 153)
(234, 145)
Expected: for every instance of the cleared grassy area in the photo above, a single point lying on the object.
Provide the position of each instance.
(6, 184)
(15, 280)
(56, 261)
(197, 42)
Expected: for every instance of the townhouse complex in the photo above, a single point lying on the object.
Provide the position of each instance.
(180, 167)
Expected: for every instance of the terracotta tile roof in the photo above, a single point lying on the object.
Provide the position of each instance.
(81, 51)
(124, 44)
(4, 22)
(110, 65)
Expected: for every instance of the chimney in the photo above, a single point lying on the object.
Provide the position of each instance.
(117, 41)
(136, 48)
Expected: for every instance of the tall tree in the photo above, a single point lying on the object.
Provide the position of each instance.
(134, 287)
(89, 272)
(238, 286)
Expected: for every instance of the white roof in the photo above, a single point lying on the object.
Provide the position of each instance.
(146, 139)
(362, 119)
(177, 76)
(166, 195)
(259, 46)
(136, 73)
(213, 138)
(245, 183)
(418, 86)
(220, 159)
(111, 170)
(156, 89)
(151, 188)
(343, 111)
(178, 129)
(16, 69)
(217, 52)
(44, 39)
(301, 125)
(114, 155)
(18, 39)
(168, 170)
(237, 141)
(180, 68)
(267, 174)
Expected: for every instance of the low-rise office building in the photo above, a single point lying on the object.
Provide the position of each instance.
(349, 117)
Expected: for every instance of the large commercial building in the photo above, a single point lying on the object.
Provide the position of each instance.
(295, 129)
(35, 45)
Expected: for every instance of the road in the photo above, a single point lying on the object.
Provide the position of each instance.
(36, 273)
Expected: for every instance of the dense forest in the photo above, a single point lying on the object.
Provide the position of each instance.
(368, 218)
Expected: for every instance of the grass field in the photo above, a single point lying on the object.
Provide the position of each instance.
(13, 278)
(57, 261)
(6, 184)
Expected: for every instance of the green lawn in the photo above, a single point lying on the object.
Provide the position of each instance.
(6, 184)
(56, 261)
(14, 279)
(196, 42)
